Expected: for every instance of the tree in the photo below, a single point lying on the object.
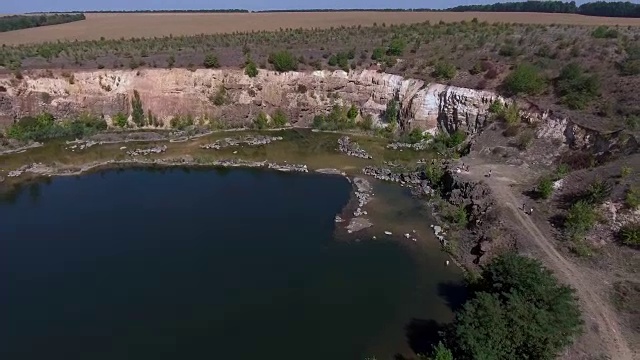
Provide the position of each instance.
(440, 352)
(391, 113)
(137, 112)
(518, 310)
(283, 61)
(524, 79)
(251, 70)
(211, 61)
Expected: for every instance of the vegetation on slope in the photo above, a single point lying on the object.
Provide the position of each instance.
(17, 22)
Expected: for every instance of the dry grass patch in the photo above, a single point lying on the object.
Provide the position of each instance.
(127, 25)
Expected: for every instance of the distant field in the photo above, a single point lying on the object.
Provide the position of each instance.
(149, 25)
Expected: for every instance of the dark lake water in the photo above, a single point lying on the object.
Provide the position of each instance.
(203, 264)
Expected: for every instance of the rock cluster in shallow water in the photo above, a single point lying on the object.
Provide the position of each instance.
(422, 145)
(351, 148)
(248, 140)
(386, 174)
(153, 150)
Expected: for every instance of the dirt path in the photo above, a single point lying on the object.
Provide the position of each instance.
(594, 306)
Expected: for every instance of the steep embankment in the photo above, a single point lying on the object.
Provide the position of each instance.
(235, 98)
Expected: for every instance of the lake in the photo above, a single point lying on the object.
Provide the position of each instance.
(218, 264)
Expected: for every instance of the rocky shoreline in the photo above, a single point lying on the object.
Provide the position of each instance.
(40, 169)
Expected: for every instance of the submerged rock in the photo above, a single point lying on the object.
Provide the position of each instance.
(357, 224)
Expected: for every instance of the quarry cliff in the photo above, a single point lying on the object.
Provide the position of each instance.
(171, 92)
(235, 99)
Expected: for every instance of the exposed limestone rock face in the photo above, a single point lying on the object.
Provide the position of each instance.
(168, 93)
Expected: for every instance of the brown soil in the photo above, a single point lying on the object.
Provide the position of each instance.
(115, 26)
(602, 331)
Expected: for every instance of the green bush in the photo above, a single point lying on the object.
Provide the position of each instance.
(598, 192)
(211, 62)
(575, 88)
(630, 234)
(220, 98)
(458, 216)
(279, 118)
(283, 61)
(396, 47)
(524, 79)
(562, 170)
(377, 54)
(580, 219)
(120, 120)
(603, 32)
(496, 107)
(250, 69)
(336, 119)
(367, 122)
(509, 113)
(632, 198)
(181, 122)
(261, 121)
(524, 140)
(353, 112)
(44, 126)
(434, 173)
(545, 188)
(445, 71)
(630, 66)
(415, 136)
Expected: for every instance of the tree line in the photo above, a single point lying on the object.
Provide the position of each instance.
(598, 8)
(156, 11)
(17, 22)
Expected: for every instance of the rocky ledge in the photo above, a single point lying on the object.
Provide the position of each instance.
(248, 140)
(351, 148)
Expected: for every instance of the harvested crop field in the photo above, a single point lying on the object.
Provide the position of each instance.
(127, 25)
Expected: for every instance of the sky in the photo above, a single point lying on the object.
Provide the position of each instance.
(22, 6)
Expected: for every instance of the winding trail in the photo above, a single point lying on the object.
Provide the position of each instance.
(593, 303)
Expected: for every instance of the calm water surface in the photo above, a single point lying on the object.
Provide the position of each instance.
(177, 264)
